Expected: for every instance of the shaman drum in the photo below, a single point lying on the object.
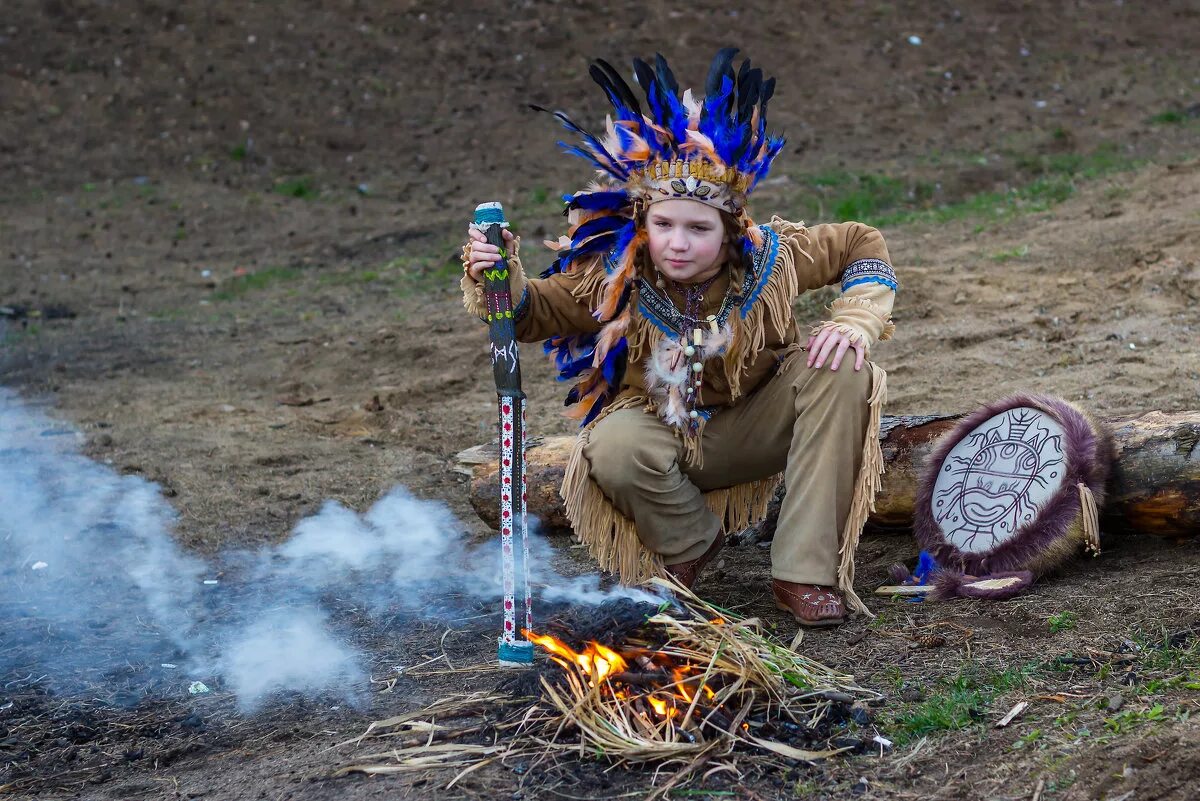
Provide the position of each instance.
(1013, 489)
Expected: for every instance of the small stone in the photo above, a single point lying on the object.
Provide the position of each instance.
(1114, 702)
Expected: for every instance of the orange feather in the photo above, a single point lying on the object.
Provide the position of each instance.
(614, 285)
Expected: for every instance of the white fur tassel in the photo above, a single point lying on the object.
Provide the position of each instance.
(668, 372)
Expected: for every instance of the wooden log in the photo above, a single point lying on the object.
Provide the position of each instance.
(1155, 485)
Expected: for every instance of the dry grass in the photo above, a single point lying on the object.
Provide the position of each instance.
(694, 684)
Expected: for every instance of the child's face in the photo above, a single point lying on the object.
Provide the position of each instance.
(687, 239)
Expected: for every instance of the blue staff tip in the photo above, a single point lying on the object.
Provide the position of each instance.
(516, 653)
(490, 214)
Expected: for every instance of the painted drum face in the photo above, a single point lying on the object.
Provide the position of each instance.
(997, 478)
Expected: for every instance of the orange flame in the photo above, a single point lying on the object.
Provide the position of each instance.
(596, 660)
(598, 663)
(660, 706)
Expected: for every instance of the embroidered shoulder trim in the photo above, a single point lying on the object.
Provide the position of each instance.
(762, 268)
(869, 271)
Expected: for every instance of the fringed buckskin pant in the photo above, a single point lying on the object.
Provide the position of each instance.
(807, 423)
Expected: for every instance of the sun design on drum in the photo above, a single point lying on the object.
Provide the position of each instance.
(997, 478)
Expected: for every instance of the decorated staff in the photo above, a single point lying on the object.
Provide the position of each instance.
(514, 647)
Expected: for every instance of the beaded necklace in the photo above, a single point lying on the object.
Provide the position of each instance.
(693, 304)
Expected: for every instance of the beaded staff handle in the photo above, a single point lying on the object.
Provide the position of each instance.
(514, 648)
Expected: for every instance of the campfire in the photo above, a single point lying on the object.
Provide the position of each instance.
(687, 682)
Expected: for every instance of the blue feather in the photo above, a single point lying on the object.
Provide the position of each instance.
(597, 244)
(926, 565)
(601, 225)
(613, 200)
(716, 122)
(555, 267)
(676, 119)
(613, 367)
(624, 237)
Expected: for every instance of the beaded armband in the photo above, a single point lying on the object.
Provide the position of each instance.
(869, 271)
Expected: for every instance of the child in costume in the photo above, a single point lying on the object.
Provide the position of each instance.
(672, 312)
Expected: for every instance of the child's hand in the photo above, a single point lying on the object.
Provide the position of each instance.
(483, 255)
(830, 340)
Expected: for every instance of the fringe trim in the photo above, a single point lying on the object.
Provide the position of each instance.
(852, 301)
(1091, 519)
(863, 502)
(742, 505)
(591, 285)
(774, 304)
(611, 537)
(473, 300)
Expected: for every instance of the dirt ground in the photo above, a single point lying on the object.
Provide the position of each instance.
(227, 255)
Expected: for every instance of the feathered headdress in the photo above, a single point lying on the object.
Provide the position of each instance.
(714, 151)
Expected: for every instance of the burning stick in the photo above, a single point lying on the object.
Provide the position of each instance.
(506, 368)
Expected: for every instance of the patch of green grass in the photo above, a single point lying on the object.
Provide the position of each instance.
(1125, 721)
(416, 275)
(1027, 740)
(1062, 621)
(238, 152)
(1010, 254)
(166, 315)
(957, 703)
(357, 277)
(261, 279)
(1057, 176)
(1171, 117)
(1060, 783)
(805, 788)
(12, 334)
(301, 187)
(858, 196)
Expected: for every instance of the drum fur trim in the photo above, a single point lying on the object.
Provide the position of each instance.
(1043, 543)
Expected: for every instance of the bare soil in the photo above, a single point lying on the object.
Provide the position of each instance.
(229, 237)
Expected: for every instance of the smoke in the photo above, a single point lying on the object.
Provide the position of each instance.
(96, 593)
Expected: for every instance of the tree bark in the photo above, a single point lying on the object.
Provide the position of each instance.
(1154, 488)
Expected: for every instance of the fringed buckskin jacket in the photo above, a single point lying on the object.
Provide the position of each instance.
(756, 316)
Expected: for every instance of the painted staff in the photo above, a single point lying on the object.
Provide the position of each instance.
(514, 646)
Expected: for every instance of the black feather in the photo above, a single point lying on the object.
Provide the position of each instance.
(749, 87)
(615, 85)
(665, 77)
(721, 67)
